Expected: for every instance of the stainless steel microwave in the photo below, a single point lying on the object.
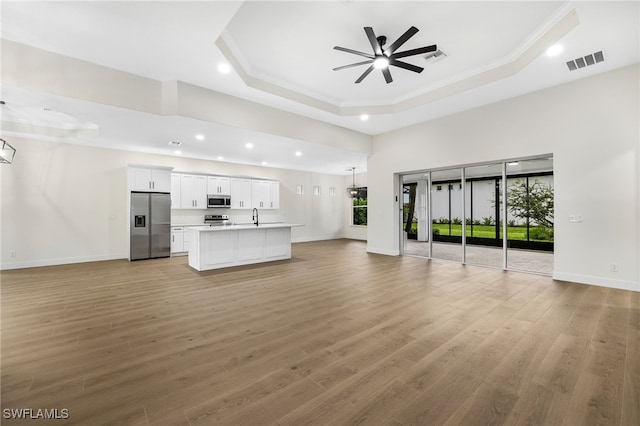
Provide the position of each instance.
(218, 201)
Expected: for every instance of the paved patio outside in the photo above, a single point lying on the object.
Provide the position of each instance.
(540, 262)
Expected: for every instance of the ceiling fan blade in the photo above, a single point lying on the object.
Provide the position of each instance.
(401, 40)
(387, 75)
(364, 74)
(406, 66)
(355, 52)
(373, 40)
(353, 65)
(417, 51)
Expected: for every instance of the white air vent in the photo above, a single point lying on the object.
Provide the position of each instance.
(434, 57)
(175, 143)
(585, 61)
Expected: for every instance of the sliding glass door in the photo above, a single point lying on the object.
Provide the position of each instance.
(530, 211)
(483, 215)
(470, 215)
(446, 214)
(415, 226)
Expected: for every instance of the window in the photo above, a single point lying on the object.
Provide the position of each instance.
(360, 208)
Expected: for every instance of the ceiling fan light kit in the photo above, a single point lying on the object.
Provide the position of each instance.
(382, 58)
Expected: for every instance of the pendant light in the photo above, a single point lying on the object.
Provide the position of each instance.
(352, 191)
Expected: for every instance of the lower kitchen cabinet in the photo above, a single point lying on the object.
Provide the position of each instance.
(177, 240)
(180, 238)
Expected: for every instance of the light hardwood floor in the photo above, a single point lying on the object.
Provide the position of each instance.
(334, 336)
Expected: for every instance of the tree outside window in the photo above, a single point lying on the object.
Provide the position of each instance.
(360, 207)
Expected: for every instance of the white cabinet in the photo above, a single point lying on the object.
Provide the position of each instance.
(177, 239)
(218, 185)
(219, 249)
(193, 192)
(259, 194)
(186, 238)
(176, 191)
(233, 246)
(149, 179)
(240, 193)
(274, 194)
(189, 191)
(265, 194)
(250, 245)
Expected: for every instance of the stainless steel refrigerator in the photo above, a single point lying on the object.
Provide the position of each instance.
(150, 225)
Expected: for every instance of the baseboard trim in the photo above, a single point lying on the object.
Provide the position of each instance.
(386, 252)
(598, 281)
(320, 238)
(61, 261)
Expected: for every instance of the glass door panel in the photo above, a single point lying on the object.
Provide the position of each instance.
(483, 215)
(530, 214)
(415, 227)
(446, 214)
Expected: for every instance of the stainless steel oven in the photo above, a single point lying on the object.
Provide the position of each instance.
(218, 201)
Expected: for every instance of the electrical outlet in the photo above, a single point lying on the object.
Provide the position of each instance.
(575, 218)
(613, 267)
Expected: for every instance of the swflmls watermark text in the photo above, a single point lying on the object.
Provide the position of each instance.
(36, 413)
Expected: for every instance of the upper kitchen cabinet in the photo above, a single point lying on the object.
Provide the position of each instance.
(265, 194)
(193, 192)
(149, 179)
(218, 185)
(259, 193)
(240, 193)
(274, 194)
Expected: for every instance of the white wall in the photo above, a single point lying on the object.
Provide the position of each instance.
(64, 203)
(590, 126)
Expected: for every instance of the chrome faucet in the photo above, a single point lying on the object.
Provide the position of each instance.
(255, 216)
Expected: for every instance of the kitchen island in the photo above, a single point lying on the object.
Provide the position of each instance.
(214, 247)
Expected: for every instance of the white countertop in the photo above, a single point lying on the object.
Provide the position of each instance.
(236, 227)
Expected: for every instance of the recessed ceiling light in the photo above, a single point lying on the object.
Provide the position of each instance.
(200, 137)
(554, 50)
(220, 157)
(224, 68)
(264, 163)
(512, 163)
(298, 153)
(364, 117)
(248, 145)
(178, 152)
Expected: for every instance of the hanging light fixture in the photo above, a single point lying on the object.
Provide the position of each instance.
(7, 152)
(352, 191)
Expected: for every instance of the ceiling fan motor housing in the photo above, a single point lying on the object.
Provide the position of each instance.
(382, 58)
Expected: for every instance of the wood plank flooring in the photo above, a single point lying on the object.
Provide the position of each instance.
(333, 336)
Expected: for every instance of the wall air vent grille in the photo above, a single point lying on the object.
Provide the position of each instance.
(585, 61)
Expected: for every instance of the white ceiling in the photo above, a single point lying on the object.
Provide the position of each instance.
(283, 57)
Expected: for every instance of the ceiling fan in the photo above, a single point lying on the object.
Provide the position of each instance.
(382, 58)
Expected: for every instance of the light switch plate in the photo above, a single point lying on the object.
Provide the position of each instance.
(574, 218)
